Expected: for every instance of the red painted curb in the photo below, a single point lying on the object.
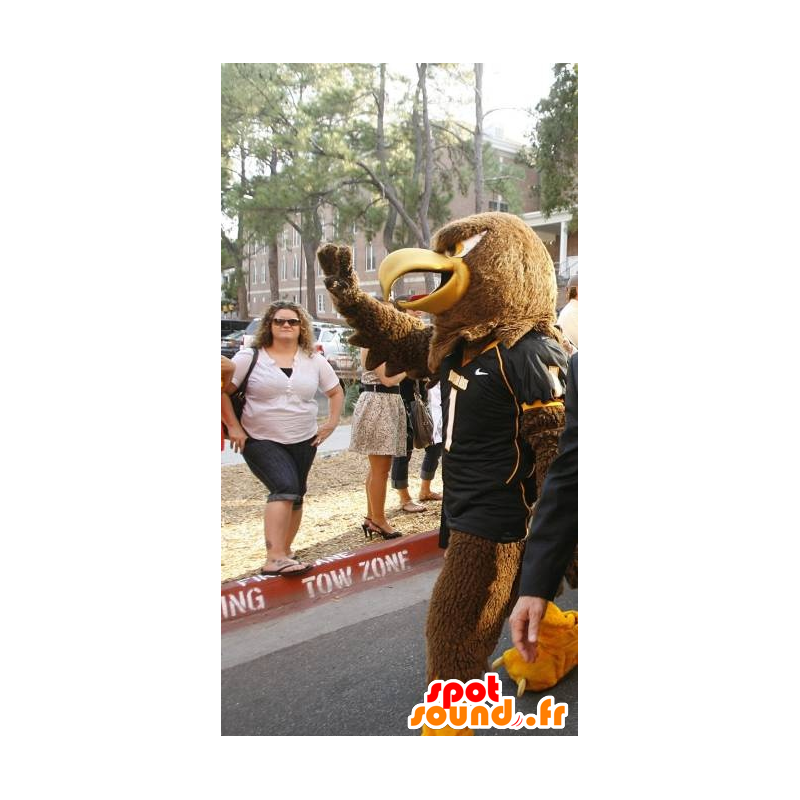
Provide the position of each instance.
(331, 576)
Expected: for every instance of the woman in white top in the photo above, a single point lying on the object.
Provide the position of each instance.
(278, 434)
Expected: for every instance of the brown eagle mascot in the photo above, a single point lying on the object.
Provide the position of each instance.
(495, 349)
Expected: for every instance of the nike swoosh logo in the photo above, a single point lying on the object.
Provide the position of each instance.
(478, 372)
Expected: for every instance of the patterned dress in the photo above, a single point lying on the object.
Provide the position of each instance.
(378, 427)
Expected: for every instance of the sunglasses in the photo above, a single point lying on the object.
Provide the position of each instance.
(281, 322)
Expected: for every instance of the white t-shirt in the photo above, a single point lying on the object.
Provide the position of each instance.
(278, 408)
(568, 321)
(435, 407)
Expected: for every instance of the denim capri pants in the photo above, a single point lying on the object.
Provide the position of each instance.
(282, 468)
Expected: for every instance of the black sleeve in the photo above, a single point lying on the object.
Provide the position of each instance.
(554, 530)
(537, 370)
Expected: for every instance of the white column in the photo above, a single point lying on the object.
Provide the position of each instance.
(562, 252)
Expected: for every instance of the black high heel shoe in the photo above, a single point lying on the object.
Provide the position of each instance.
(369, 527)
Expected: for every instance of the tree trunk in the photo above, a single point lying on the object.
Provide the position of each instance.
(479, 206)
(428, 161)
(388, 243)
(381, 142)
(272, 261)
(241, 295)
(272, 257)
(391, 216)
(241, 284)
(310, 247)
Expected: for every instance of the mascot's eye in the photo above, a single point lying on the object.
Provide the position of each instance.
(462, 248)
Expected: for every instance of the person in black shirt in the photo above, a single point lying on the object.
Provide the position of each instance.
(554, 532)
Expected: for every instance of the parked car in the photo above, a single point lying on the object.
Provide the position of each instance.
(332, 341)
(231, 343)
(321, 326)
(250, 333)
(232, 325)
(341, 355)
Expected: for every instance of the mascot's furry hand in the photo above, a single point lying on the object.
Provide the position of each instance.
(337, 266)
(398, 339)
(557, 653)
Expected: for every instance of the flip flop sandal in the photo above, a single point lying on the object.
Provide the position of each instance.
(413, 508)
(283, 570)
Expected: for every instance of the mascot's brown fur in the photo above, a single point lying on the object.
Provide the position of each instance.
(495, 307)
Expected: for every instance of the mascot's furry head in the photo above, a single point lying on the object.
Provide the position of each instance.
(498, 282)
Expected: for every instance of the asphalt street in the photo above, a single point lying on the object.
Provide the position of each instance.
(351, 667)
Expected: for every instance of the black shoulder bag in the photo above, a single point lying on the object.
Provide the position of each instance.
(421, 421)
(238, 397)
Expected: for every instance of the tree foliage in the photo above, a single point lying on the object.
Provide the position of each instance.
(300, 138)
(554, 148)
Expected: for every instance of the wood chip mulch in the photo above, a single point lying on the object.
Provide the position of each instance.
(334, 508)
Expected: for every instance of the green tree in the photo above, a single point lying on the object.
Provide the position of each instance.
(554, 148)
(245, 141)
(299, 106)
(301, 137)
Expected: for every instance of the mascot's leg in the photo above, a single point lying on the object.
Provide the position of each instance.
(469, 604)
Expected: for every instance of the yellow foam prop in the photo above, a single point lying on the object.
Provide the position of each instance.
(557, 653)
(447, 731)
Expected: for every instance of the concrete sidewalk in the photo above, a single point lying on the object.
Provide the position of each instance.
(339, 440)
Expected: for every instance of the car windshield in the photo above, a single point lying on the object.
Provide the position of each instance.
(253, 326)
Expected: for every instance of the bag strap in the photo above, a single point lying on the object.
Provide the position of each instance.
(252, 364)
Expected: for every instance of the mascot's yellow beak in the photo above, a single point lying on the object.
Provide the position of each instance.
(414, 259)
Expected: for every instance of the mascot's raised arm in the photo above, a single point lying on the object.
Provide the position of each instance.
(495, 348)
(398, 339)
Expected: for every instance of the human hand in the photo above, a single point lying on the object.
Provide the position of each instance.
(524, 623)
(323, 432)
(238, 437)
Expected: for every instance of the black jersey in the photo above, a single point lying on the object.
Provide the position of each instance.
(487, 466)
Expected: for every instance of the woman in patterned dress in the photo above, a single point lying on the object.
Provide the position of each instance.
(378, 430)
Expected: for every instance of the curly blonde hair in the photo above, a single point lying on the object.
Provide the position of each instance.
(263, 336)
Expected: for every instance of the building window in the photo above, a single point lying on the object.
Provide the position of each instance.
(295, 237)
(320, 303)
(294, 298)
(370, 255)
(283, 238)
(498, 205)
(295, 270)
(283, 267)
